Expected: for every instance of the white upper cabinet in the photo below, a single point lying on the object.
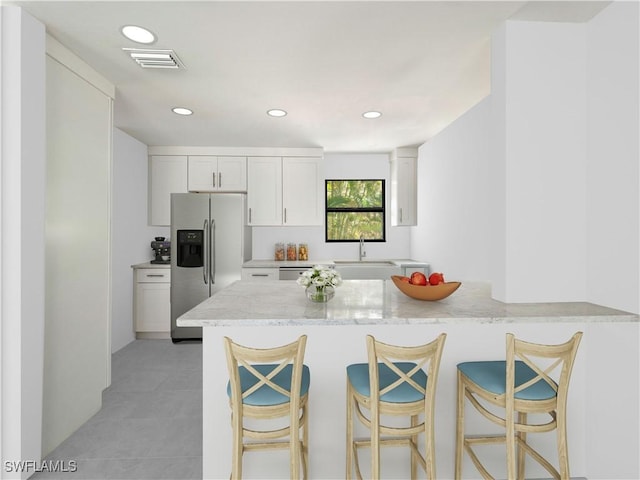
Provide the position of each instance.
(284, 191)
(264, 190)
(404, 187)
(302, 192)
(167, 175)
(208, 173)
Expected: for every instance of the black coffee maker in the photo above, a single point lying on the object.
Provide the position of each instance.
(162, 249)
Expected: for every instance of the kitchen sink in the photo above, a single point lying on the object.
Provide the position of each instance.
(366, 269)
(373, 263)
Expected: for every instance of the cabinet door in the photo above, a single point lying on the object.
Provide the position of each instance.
(203, 173)
(302, 191)
(403, 192)
(264, 190)
(232, 174)
(168, 174)
(153, 308)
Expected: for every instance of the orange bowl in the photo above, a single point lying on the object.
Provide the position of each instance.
(425, 292)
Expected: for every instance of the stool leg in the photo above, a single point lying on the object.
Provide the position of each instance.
(305, 441)
(236, 455)
(414, 440)
(459, 428)
(511, 442)
(522, 419)
(375, 442)
(563, 450)
(294, 445)
(349, 465)
(430, 449)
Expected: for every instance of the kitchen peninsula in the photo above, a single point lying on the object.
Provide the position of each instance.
(265, 314)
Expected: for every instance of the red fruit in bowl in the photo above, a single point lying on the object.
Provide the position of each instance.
(418, 278)
(436, 279)
(405, 279)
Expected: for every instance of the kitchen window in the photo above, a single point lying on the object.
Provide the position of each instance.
(354, 209)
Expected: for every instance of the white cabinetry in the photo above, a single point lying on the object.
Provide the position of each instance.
(302, 191)
(284, 191)
(264, 190)
(207, 173)
(404, 187)
(260, 274)
(167, 175)
(152, 308)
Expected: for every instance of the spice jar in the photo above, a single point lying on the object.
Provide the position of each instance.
(279, 251)
(303, 252)
(291, 251)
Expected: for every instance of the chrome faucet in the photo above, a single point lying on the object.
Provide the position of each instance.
(362, 253)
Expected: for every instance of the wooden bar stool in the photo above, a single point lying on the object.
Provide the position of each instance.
(267, 384)
(394, 382)
(534, 379)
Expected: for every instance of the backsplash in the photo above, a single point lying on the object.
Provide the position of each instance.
(398, 244)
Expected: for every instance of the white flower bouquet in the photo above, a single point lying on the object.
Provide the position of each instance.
(320, 282)
(320, 276)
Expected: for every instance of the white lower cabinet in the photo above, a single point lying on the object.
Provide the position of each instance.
(260, 274)
(151, 302)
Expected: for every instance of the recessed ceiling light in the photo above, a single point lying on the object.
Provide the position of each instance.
(138, 34)
(182, 111)
(371, 114)
(276, 112)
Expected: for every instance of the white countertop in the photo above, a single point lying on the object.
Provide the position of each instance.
(377, 302)
(150, 265)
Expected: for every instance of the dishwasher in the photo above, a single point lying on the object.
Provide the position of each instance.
(291, 273)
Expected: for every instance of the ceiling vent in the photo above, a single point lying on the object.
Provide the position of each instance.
(151, 58)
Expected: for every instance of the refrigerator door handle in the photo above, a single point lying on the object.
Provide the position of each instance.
(205, 263)
(212, 251)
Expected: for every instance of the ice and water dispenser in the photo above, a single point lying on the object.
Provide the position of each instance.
(190, 248)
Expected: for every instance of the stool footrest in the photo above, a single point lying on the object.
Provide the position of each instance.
(266, 446)
(484, 439)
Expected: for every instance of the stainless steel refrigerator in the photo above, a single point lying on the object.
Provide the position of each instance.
(209, 241)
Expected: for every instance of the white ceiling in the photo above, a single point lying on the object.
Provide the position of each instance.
(421, 63)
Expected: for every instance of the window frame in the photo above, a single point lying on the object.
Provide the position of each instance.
(382, 209)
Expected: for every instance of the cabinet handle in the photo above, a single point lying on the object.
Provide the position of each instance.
(400, 214)
(259, 274)
(285, 215)
(249, 214)
(220, 180)
(213, 175)
(155, 275)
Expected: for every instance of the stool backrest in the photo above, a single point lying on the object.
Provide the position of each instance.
(551, 363)
(426, 357)
(247, 357)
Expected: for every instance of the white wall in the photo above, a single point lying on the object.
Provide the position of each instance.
(613, 155)
(131, 236)
(454, 199)
(543, 191)
(78, 244)
(545, 161)
(22, 202)
(340, 166)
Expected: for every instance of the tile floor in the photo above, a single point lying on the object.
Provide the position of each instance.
(150, 424)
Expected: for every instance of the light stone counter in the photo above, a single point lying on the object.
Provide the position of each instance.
(603, 396)
(374, 302)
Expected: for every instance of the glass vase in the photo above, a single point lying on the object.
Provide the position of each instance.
(320, 294)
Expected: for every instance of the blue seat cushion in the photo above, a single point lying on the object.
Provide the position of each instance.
(265, 395)
(491, 375)
(358, 375)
